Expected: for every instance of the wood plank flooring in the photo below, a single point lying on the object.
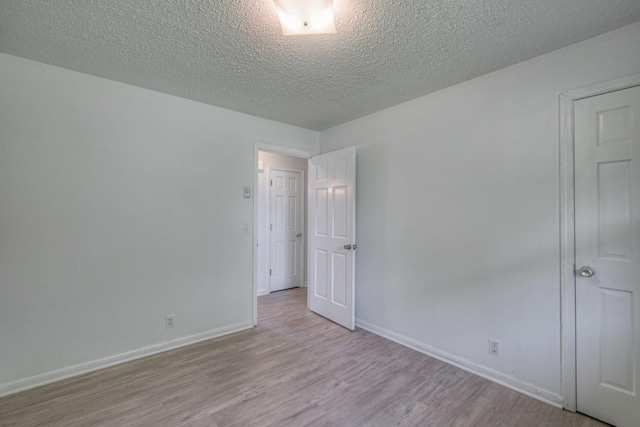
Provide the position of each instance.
(294, 369)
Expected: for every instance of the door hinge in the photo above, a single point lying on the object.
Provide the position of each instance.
(270, 272)
(271, 183)
(270, 227)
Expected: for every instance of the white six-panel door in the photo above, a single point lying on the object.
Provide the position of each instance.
(607, 220)
(331, 251)
(285, 229)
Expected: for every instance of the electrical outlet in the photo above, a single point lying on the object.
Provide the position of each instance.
(494, 347)
(170, 321)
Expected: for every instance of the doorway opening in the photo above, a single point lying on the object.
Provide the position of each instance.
(331, 215)
(282, 232)
(280, 225)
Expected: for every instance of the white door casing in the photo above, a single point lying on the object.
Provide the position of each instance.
(607, 239)
(285, 228)
(331, 251)
(262, 259)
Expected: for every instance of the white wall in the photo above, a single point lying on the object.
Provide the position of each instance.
(118, 206)
(274, 160)
(458, 213)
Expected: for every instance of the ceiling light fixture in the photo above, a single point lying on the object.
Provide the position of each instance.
(299, 17)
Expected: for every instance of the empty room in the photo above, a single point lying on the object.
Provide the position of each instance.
(320, 213)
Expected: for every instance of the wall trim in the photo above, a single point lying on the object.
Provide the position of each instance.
(567, 229)
(497, 377)
(95, 365)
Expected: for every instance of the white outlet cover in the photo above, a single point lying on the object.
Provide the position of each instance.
(170, 321)
(494, 347)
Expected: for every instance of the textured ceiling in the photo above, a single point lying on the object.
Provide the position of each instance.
(232, 54)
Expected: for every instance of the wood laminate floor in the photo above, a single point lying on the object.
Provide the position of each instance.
(294, 369)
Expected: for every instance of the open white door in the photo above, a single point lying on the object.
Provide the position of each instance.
(332, 233)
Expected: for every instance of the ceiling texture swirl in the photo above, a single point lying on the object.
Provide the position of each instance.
(232, 54)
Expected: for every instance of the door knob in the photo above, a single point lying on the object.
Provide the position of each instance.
(299, 235)
(347, 247)
(587, 271)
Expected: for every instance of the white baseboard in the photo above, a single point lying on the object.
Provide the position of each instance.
(263, 292)
(490, 374)
(94, 365)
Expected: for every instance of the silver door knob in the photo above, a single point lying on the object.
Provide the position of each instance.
(587, 271)
(299, 235)
(347, 247)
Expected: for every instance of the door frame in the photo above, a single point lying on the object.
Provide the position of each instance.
(567, 228)
(272, 148)
(303, 198)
